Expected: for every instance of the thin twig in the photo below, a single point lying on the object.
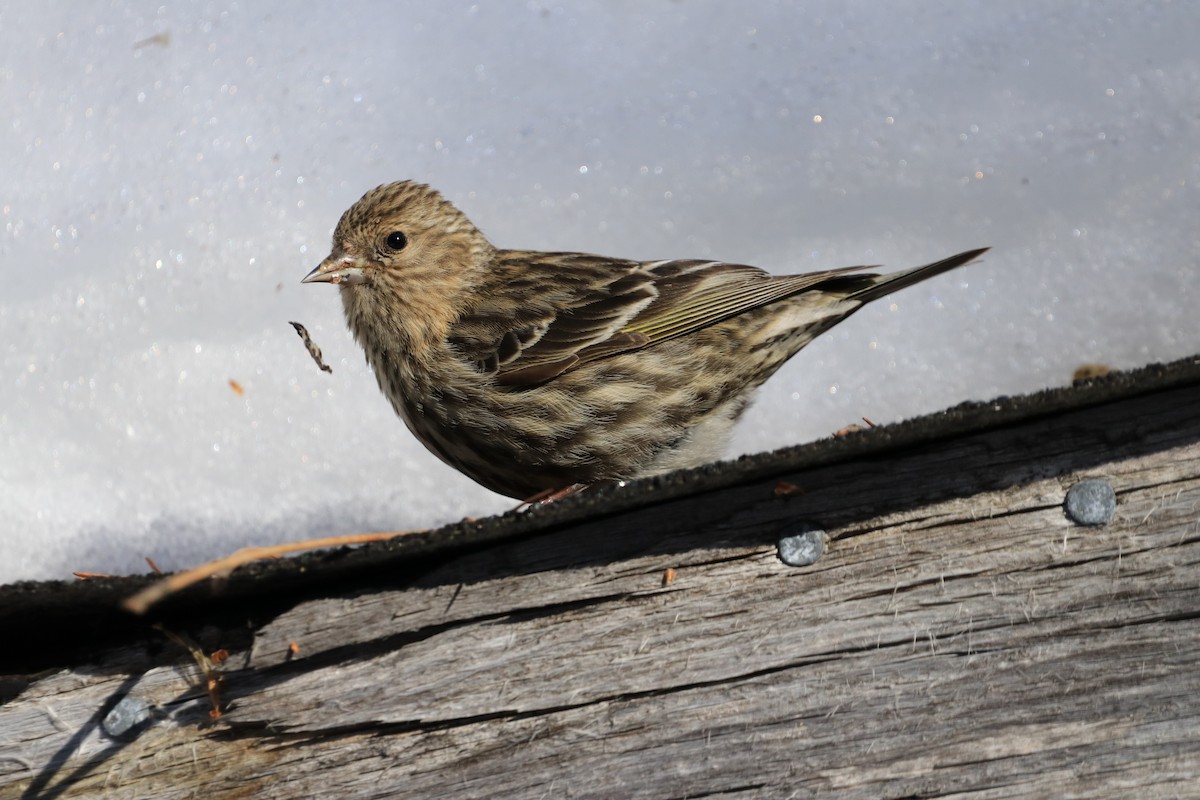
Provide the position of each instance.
(141, 602)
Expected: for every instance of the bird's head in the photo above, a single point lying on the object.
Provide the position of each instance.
(405, 252)
(402, 231)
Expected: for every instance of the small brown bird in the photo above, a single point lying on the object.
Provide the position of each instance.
(540, 373)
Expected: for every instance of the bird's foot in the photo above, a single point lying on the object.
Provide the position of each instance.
(550, 495)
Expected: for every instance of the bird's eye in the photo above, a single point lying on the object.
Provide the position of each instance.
(396, 240)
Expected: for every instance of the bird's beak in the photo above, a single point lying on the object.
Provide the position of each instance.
(337, 269)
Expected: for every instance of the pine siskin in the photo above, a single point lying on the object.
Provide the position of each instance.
(533, 372)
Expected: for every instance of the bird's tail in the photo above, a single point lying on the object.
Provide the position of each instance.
(887, 284)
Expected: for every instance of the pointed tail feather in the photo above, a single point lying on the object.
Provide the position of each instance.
(887, 284)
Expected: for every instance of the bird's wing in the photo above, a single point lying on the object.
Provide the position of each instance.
(695, 294)
(576, 308)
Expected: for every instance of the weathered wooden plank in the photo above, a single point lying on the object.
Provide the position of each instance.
(960, 636)
(938, 582)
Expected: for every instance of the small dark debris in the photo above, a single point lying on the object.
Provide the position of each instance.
(313, 350)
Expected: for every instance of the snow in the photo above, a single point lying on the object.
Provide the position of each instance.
(171, 171)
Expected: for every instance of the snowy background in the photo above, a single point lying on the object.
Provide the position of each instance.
(170, 172)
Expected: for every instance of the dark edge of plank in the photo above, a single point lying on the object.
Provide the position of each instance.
(84, 616)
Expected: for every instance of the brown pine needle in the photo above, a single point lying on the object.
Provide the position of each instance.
(141, 602)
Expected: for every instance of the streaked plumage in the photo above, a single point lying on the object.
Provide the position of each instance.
(535, 371)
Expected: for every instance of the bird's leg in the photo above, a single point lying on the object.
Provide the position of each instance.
(550, 495)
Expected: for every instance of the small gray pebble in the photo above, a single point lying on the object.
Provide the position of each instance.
(125, 716)
(802, 545)
(1091, 502)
